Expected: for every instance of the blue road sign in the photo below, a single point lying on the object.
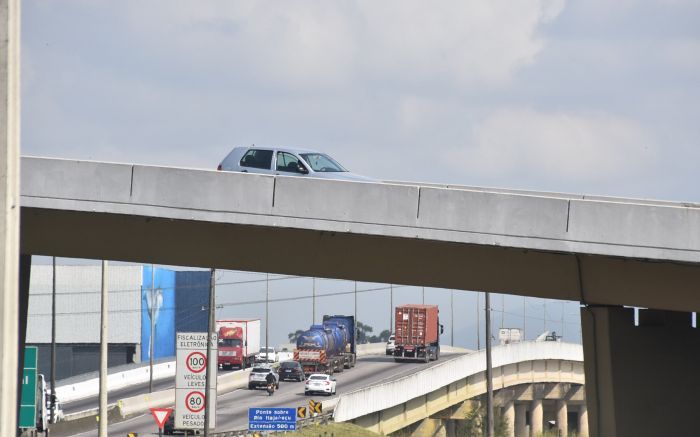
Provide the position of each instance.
(272, 419)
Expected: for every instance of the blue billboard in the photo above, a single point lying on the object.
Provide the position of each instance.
(177, 301)
(158, 301)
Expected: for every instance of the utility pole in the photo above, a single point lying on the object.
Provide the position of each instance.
(391, 308)
(478, 322)
(313, 301)
(153, 326)
(452, 318)
(524, 316)
(423, 295)
(267, 315)
(53, 342)
(103, 353)
(489, 370)
(355, 327)
(503, 309)
(210, 325)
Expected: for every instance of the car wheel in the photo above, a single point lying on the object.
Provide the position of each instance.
(250, 386)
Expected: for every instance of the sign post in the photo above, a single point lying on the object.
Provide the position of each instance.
(190, 380)
(27, 408)
(272, 419)
(160, 415)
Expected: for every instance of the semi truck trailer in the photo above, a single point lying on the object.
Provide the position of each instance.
(417, 332)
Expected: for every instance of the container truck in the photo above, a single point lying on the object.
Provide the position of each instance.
(328, 347)
(239, 341)
(417, 333)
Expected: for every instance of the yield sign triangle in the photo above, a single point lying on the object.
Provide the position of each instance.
(161, 415)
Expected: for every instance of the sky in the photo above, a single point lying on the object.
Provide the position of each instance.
(593, 97)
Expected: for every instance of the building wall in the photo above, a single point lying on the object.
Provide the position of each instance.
(78, 304)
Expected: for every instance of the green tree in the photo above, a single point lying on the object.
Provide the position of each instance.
(474, 425)
(294, 336)
(363, 331)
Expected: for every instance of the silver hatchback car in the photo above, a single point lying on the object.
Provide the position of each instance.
(286, 162)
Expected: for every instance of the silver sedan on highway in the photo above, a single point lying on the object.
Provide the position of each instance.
(286, 162)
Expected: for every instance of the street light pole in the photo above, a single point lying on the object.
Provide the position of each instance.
(153, 326)
(267, 316)
(313, 301)
(355, 323)
(53, 343)
(391, 308)
(211, 324)
(478, 322)
(452, 318)
(489, 370)
(104, 317)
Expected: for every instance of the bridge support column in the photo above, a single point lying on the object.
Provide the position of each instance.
(536, 417)
(509, 416)
(521, 420)
(640, 380)
(10, 363)
(583, 421)
(562, 418)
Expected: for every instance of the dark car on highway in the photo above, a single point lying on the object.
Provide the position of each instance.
(291, 370)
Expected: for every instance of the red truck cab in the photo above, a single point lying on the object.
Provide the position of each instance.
(231, 347)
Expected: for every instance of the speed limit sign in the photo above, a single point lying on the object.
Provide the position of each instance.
(191, 378)
(194, 401)
(196, 362)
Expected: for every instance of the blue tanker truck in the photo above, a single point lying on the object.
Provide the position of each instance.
(329, 347)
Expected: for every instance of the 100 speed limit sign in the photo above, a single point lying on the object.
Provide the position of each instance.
(196, 362)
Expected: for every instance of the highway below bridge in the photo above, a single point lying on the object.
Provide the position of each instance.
(232, 407)
(606, 253)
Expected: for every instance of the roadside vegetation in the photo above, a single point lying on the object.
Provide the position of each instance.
(333, 430)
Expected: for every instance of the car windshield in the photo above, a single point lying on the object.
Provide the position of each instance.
(269, 349)
(260, 370)
(318, 377)
(230, 342)
(322, 163)
(289, 365)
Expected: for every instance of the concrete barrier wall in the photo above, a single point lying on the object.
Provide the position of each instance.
(166, 398)
(115, 381)
(383, 396)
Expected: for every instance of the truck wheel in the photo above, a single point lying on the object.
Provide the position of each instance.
(427, 357)
(243, 363)
(437, 353)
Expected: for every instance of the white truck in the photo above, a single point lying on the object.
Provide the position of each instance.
(266, 355)
(239, 342)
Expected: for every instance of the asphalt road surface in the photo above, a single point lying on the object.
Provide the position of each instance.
(232, 407)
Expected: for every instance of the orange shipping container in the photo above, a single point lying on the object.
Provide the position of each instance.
(416, 325)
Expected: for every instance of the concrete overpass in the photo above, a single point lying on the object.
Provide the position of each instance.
(526, 376)
(602, 252)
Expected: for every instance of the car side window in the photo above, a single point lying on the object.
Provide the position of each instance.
(287, 162)
(257, 158)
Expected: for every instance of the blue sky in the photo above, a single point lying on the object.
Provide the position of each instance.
(591, 97)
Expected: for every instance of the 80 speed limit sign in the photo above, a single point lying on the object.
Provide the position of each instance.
(194, 401)
(190, 380)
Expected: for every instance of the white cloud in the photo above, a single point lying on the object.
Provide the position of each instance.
(593, 149)
(315, 44)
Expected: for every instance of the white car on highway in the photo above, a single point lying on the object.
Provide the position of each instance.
(320, 383)
(266, 355)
